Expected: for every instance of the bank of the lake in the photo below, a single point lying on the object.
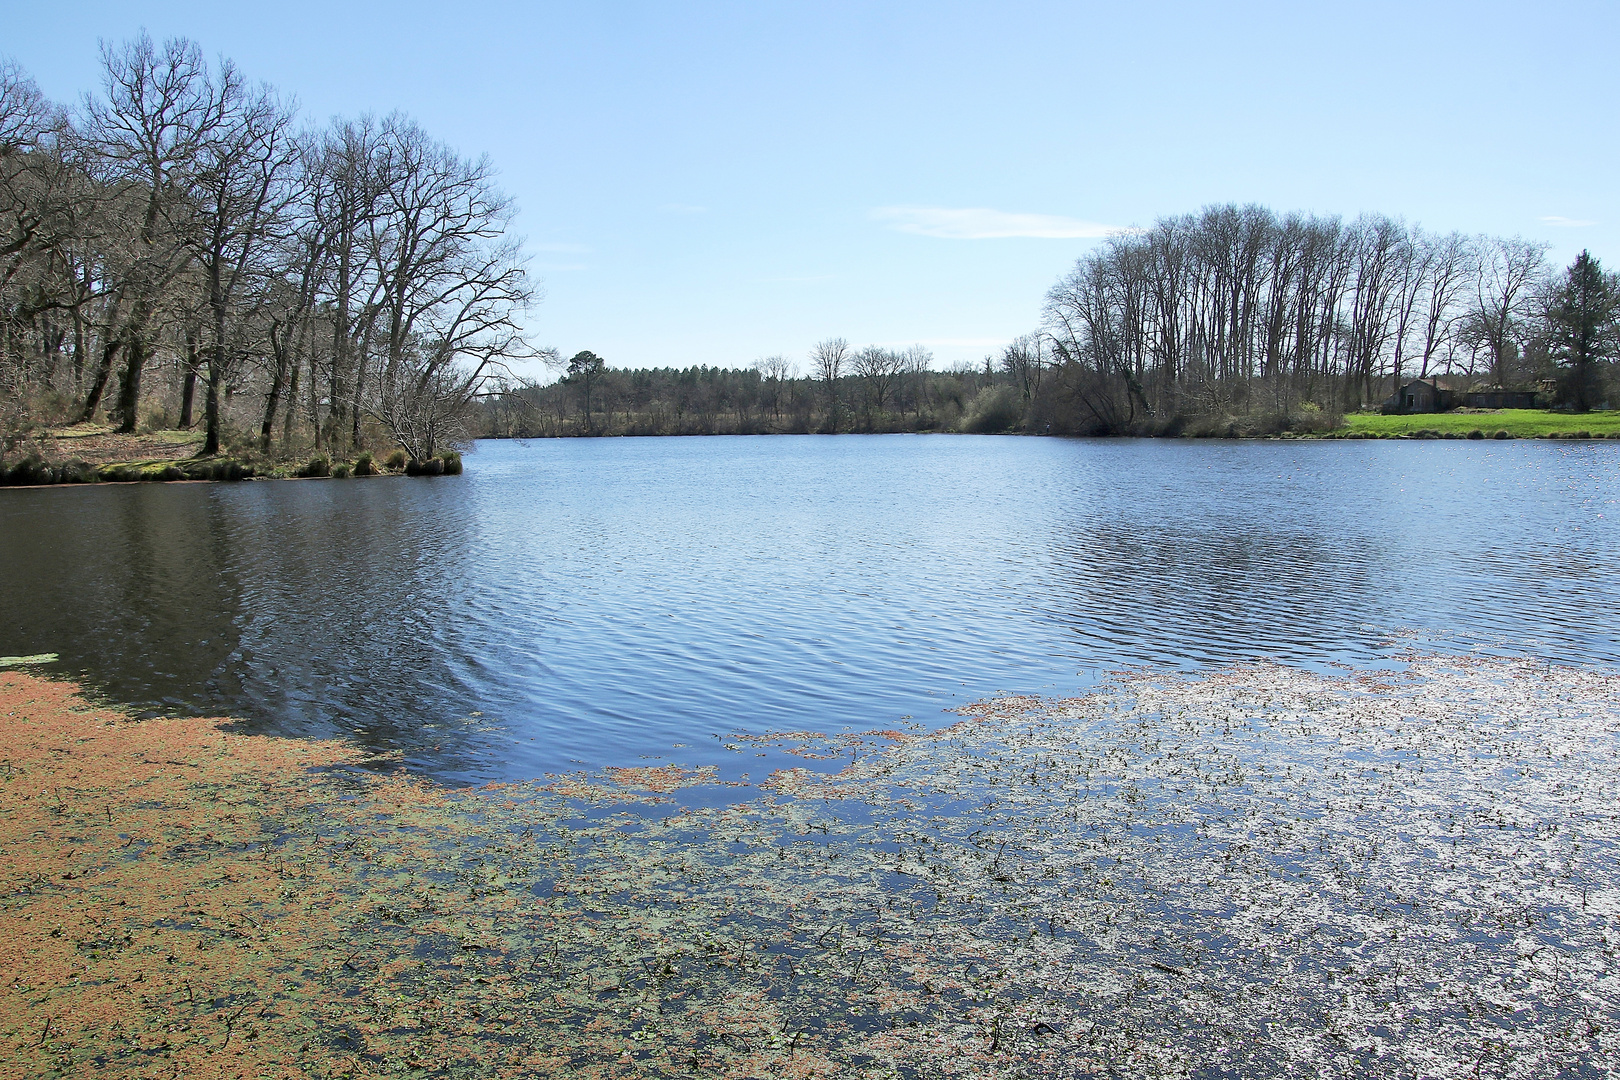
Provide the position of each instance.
(111, 461)
(1518, 423)
(96, 456)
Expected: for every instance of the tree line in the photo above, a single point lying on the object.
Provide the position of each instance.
(870, 389)
(1240, 311)
(1233, 319)
(177, 250)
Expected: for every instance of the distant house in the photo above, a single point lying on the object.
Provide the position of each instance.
(1438, 395)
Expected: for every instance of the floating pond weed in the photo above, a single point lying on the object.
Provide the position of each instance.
(1258, 872)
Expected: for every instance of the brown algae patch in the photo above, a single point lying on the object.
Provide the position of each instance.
(1256, 873)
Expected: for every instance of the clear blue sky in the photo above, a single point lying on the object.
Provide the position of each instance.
(715, 182)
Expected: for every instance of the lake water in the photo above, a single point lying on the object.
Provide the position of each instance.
(588, 603)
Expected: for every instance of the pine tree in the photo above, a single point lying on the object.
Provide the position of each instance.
(1581, 317)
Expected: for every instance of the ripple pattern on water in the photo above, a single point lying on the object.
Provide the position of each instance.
(591, 602)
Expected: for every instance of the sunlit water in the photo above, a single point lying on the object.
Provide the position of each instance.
(585, 603)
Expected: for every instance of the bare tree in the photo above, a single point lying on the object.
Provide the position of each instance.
(1450, 264)
(240, 186)
(1502, 293)
(451, 284)
(159, 111)
(40, 187)
(878, 369)
(1024, 361)
(827, 360)
(773, 372)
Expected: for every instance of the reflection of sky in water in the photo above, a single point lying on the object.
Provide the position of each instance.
(598, 601)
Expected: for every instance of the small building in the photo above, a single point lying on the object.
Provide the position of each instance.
(1435, 395)
(1494, 397)
(1417, 396)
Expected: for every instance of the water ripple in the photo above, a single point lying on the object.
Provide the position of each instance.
(597, 601)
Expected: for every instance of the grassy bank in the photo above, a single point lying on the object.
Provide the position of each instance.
(1518, 423)
(35, 468)
(1262, 873)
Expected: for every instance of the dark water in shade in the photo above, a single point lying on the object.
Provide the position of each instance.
(585, 603)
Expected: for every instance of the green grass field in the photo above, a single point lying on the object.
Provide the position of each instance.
(1520, 423)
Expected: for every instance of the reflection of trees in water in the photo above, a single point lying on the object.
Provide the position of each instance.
(348, 624)
(299, 607)
(1153, 592)
(131, 586)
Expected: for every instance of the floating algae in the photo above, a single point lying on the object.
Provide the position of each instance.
(1257, 873)
(19, 661)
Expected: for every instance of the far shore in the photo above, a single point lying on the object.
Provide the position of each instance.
(91, 454)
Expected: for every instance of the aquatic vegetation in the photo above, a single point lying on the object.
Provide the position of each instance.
(1260, 872)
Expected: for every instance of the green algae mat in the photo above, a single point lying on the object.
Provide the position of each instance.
(1254, 873)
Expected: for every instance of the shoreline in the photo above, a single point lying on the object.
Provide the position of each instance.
(35, 471)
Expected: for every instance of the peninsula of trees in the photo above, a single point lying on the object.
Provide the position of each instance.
(176, 251)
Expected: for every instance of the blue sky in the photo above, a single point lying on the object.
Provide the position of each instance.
(709, 183)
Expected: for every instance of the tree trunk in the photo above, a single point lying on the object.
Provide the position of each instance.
(271, 403)
(188, 393)
(216, 378)
(292, 403)
(129, 387)
(92, 400)
(188, 398)
(278, 376)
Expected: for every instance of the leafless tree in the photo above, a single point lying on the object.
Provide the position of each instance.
(1450, 264)
(879, 369)
(240, 186)
(1508, 268)
(1024, 361)
(159, 111)
(452, 284)
(773, 372)
(827, 360)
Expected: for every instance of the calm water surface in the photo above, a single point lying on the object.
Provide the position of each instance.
(583, 603)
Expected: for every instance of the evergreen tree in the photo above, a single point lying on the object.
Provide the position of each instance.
(1581, 313)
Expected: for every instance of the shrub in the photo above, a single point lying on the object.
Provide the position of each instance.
(319, 465)
(1476, 434)
(397, 460)
(365, 465)
(452, 463)
(342, 470)
(1502, 434)
(993, 409)
(28, 470)
(431, 467)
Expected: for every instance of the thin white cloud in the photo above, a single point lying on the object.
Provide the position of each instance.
(566, 249)
(1558, 222)
(978, 223)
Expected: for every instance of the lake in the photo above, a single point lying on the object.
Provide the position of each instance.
(588, 603)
